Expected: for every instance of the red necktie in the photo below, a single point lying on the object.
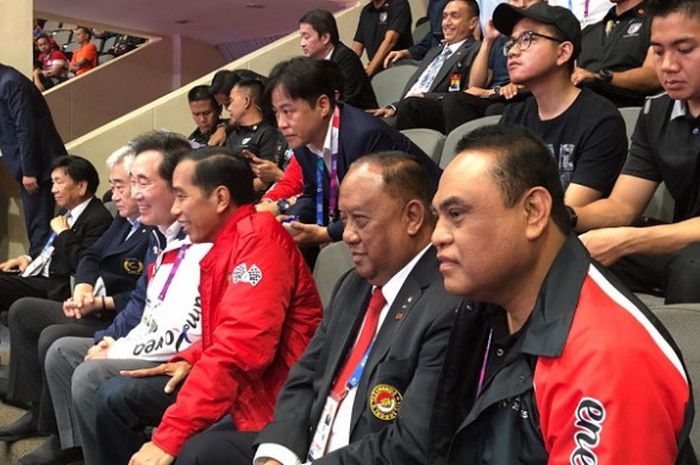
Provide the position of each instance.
(376, 304)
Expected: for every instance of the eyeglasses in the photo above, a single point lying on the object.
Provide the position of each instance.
(524, 40)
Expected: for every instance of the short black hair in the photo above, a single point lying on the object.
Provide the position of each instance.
(521, 162)
(663, 8)
(86, 30)
(199, 93)
(323, 22)
(220, 166)
(255, 89)
(335, 77)
(170, 144)
(224, 80)
(78, 169)
(403, 175)
(303, 78)
(42, 35)
(473, 6)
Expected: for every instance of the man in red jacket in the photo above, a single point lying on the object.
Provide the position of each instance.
(260, 307)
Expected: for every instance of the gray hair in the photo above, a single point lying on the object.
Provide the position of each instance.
(123, 155)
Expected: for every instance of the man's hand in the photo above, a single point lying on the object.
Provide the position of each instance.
(178, 371)
(267, 205)
(310, 234)
(395, 56)
(59, 224)
(31, 184)
(19, 263)
(266, 170)
(218, 138)
(580, 74)
(386, 112)
(510, 90)
(607, 245)
(150, 454)
(100, 350)
(490, 32)
(82, 302)
(479, 92)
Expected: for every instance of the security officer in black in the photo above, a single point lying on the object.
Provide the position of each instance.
(615, 59)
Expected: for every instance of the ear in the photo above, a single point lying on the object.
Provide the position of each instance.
(83, 186)
(474, 26)
(325, 38)
(537, 206)
(222, 199)
(415, 217)
(566, 50)
(323, 103)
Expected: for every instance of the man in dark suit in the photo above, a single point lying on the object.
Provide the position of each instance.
(29, 143)
(46, 272)
(320, 41)
(392, 309)
(445, 68)
(327, 138)
(105, 277)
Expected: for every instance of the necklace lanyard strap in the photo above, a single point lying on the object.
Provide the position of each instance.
(173, 270)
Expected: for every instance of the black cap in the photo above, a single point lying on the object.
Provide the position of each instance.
(505, 17)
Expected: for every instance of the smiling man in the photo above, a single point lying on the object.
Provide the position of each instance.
(569, 356)
(259, 308)
(661, 259)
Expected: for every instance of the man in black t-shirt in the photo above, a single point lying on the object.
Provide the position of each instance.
(385, 25)
(662, 259)
(583, 131)
(206, 114)
(615, 59)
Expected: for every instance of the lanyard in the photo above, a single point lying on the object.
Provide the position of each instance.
(333, 177)
(586, 5)
(173, 270)
(354, 379)
(482, 374)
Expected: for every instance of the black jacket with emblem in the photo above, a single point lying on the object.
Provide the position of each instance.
(407, 355)
(119, 262)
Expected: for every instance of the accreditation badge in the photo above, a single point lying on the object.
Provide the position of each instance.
(385, 401)
(323, 430)
(454, 82)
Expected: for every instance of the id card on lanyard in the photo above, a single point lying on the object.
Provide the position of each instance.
(319, 443)
(168, 281)
(333, 175)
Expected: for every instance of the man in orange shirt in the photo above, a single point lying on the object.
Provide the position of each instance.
(85, 57)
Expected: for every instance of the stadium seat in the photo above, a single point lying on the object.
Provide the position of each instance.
(62, 36)
(332, 262)
(104, 58)
(630, 114)
(683, 323)
(388, 85)
(109, 44)
(421, 29)
(71, 47)
(428, 140)
(450, 147)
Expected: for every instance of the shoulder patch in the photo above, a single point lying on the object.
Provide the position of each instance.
(250, 275)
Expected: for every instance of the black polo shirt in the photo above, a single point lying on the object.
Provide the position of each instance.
(263, 140)
(666, 148)
(393, 15)
(617, 43)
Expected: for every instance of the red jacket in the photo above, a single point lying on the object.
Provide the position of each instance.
(291, 184)
(260, 308)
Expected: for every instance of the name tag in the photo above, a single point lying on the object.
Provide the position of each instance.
(323, 429)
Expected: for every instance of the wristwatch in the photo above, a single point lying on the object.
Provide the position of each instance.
(497, 91)
(605, 75)
(283, 205)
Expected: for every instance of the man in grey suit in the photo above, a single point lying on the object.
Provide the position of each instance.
(374, 361)
(445, 68)
(29, 143)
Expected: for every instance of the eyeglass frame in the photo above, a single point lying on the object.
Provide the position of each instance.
(512, 42)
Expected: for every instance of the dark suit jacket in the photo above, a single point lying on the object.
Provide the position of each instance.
(120, 263)
(407, 355)
(360, 134)
(357, 90)
(460, 62)
(70, 244)
(29, 140)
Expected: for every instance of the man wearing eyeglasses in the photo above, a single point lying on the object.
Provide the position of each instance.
(582, 131)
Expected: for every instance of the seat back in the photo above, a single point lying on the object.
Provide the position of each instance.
(422, 28)
(683, 323)
(428, 140)
(333, 261)
(630, 115)
(389, 84)
(453, 138)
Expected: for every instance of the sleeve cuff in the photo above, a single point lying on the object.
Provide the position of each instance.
(268, 450)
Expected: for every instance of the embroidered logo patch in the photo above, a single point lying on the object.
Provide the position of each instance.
(384, 402)
(243, 274)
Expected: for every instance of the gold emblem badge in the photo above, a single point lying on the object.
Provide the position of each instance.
(384, 402)
(133, 266)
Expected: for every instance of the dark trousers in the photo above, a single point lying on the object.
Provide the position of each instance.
(676, 276)
(13, 287)
(34, 325)
(125, 407)
(219, 445)
(38, 212)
